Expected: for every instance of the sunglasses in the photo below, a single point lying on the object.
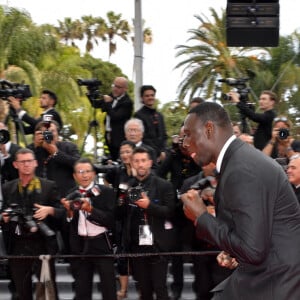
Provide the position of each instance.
(281, 119)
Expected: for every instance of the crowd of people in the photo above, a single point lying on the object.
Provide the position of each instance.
(215, 188)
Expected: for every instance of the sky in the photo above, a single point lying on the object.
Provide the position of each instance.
(169, 21)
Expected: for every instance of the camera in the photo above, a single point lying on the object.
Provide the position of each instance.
(47, 134)
(89, 83)
(240, 85)
(122, 193)
(135, 193)
(26, 221)
(75, 199)
(93, 88)
(203, 183)
(283, 133)
(17, 90)
(4, 136)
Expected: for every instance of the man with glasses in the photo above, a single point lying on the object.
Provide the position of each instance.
(30, 209)
(90, 212)
(267, 101)
(118, 107)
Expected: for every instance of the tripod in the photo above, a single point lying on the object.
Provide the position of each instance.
(93, 125)
(18, 125)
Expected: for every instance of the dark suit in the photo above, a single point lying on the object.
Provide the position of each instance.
(58, 168)
(155, 134)
(8, 171)
(33, 122)
(27, 243)
(151, 272)
(258, 223)
(118, 114)
(83, 269)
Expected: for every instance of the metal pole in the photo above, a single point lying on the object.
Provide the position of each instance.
(138, 53)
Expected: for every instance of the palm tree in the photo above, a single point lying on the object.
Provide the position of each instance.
(70, 30)
(12, 21)
(116, 27)
(209, 59)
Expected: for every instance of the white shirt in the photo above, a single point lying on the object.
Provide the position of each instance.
(222, 152)
(85, 227)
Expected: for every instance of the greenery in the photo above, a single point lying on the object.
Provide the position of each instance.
(48, 57)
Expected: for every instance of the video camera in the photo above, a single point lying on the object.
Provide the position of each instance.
(17, 90)
(240, 85)
(92, 87)
(26, 221)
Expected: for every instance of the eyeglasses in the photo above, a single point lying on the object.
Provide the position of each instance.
(117, 86)
(281, 119)
(133, 130)
(23, 162)
(81, 172)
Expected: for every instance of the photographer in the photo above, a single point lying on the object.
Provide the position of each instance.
(48, 101)
(55, 158)
(119, 178)
(90, 211)
(281, 145)
(118, 107)
(30, 210)
(148, 228)
(267, 101)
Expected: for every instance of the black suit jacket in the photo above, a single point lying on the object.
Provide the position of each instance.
(49, 197)
(102, 215)
(159, 215)
(58, 168)
(8, 171)
(258, 223)
(33, 122)
(155, 134)
(118, 117)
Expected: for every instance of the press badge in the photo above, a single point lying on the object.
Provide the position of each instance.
(145, 236)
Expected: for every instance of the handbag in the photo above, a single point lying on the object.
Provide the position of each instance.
(45, 289)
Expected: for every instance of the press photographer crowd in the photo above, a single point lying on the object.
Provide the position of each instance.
(227, 194)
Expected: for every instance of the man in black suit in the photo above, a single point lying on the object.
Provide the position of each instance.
(55, 158)
(119, 108)
(37, 203)
(55, 162)
(91, 218)
(257, 213)
(149, 228)
(155, 134)
(48, 101)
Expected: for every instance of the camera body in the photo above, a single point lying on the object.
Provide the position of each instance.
(4, 136)
(27, 221)
(75, 199)
(47, 134)
(283, 133)
(135, 193)
(17, 90)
